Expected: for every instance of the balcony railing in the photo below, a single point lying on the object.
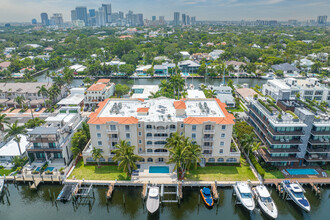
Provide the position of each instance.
(207, 147)
(154, 153)
(206, 131)
(206, 155)
(320, 141)
(31, 147)
(315, 158)
(42, 140)
(208, 139)
(318, 150)
(266, 156)
(283, 133)
(318, 133)
(112, 131)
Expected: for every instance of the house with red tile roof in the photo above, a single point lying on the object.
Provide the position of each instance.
(98, 92)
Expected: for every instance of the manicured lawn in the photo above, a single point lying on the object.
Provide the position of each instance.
(5, 172)
(221, 173)
(274, 175)
(328, 172)
(91, 172)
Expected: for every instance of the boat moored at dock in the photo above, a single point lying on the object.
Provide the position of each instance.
(207, 196)
(296, 193)
(153, 199)
(265, 201)
(244, 195)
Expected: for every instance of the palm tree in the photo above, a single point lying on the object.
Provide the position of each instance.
(47, 76)
(124, 154)
(20, 100)
(231, 68)
(97, 155)
(195, 156)
(246, 143)
(3, 121)
(43, 91)
(15, 131)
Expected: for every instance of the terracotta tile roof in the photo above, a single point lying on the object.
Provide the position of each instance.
(141, 100)
(228, 119)
(103, 80)
(96, 87)
(142, 109)
(179, 105)
(94, 119)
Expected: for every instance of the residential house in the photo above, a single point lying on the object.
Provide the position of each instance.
(143, 91)
(98, 92)
(185, 55)
(188, 66)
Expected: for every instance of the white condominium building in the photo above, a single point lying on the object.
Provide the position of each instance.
(147, 124)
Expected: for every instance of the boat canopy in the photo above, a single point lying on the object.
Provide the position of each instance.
(153, 192)
(262, 191)
(295, 188)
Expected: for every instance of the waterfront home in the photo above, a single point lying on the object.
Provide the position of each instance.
(224, 94)
(185, 55)
(9, 91)
(164, 69)
(142, 70)
(215, 54)
(198, 57)
(78, 68)
(188, 66)
(287, 69)
(286, 89)
(76, 98)
(237, 65)
(9, 150)
(4, 65)
(147, 124)
(99, 91)
(52, 141)
(195, 94)
(143, 91)
(245, 94)
(305, 64)
(292, 137)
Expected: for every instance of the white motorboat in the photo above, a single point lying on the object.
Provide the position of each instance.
(244, 195)
(265, 201)
(268, 76)
(153, 199)
(296, 193)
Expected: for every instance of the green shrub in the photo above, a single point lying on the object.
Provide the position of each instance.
(265, 105)
(258, 167)
(293, 114)
(35, 172)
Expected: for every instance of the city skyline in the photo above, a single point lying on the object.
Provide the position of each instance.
(205, 9)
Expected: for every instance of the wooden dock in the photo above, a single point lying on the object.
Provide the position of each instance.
(302, 181)
(110, 190)
(144, 191)
(35, 184)
(214, 191)
(180, 190)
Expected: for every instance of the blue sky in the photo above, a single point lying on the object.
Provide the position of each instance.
(25, 10)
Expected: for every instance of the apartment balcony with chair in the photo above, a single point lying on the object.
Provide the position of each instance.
(317, 157)
(268, 158)
(318, 149)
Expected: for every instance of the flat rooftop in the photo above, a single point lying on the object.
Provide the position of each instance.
(161, 109)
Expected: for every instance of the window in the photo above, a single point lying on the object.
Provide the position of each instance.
(208, 127)
(149, 142)
(181, 125)
(223, 127)
(160, 159)
(128, 135)
(110, 159)
(126, 127)
(221, 151)
(172, 127)
(149, 135)
(140, 141)
(140, 149)
(193, 127)
(99, 143)
(150, 159)
(222, 143)
(193, 135)
(149, 150)
(139, 125)
(113, 144)
(36, 145)
(52, 145)
(220, 160)
(149, 127)
(98, 127)
(98, 135)
(140, 133)
(113, 127)
(211, 160)
(181, 133)
(223, 135)
(231, 160)
(128, 143)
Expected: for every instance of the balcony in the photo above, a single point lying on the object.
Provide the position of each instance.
(207, 147)
(318, 149)
(31, 148)
(154, 153)
(266, 156)
(316, 158)
(43, 140)
(113, 139)
(282, 133)
(319, 141)
(318, 133)
(283, 150)
(283, 141)
(112, 131)
(160, 138)
(208, 139)
(208, 131)
(207, 155)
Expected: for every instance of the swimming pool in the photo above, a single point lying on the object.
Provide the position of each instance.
(49, 168)
(302, 172)
(38, 169)
(185, 74)
(159, 169)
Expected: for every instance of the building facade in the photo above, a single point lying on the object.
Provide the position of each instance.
(147, 124)
(53, 140)
(98, 92)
